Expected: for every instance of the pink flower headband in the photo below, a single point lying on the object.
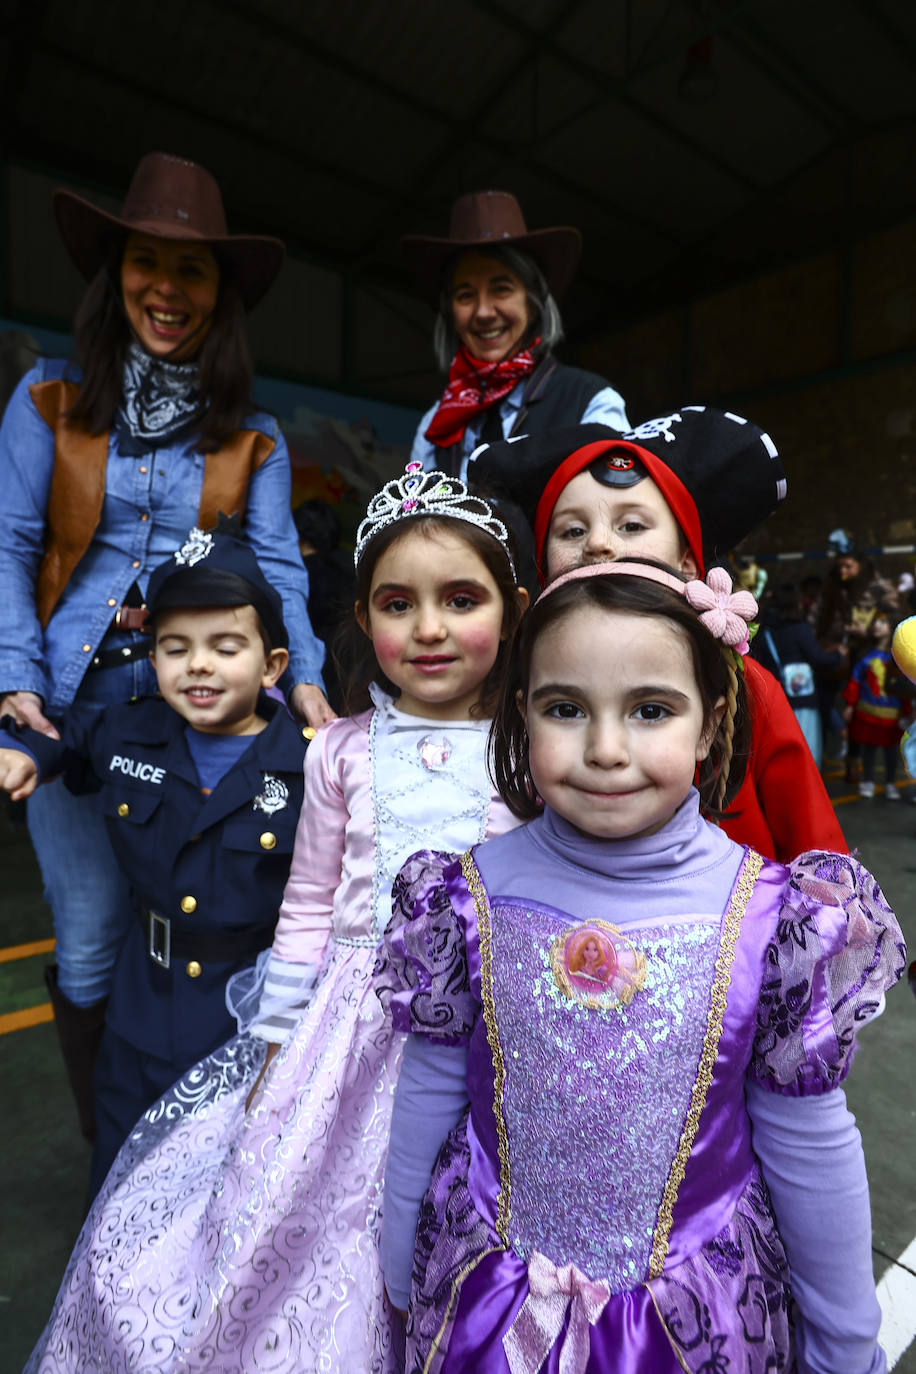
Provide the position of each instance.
(726, 614)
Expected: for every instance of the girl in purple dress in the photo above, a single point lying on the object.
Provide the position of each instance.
(651, 1167)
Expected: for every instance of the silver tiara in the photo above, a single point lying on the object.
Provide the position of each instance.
(428, 493)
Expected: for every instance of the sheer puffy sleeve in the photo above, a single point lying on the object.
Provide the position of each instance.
(423, 976)
(835, 950)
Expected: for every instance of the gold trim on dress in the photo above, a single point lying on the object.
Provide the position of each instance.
(671, 1341)
(476, 888)
(456, 1289)
(723, 973)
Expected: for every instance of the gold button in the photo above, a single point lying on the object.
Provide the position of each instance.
(111, 601)
(123, 809)
(87, 648)
(194, 839)
(308, 732)
(135, 563)
(188, 904)
(268, 840)
(145, 515)
(193, 969)
(144, 471)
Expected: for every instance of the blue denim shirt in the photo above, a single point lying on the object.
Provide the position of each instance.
(165, 485)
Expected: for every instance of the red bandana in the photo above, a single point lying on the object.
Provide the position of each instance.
(473, 386)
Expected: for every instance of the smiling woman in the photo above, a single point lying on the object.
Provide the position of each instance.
(495, 284)
(170, 290)
(105, 463)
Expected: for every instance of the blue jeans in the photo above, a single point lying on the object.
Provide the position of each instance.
(88, 895)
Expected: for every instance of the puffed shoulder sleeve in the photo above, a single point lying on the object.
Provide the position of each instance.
(835, 950)
(422, 975)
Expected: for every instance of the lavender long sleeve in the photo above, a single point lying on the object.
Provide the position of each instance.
(824, 1219)
(430, 1098)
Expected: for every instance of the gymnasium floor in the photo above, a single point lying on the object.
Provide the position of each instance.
(44, 1162)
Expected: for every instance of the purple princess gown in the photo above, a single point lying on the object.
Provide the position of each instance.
(600, 1206)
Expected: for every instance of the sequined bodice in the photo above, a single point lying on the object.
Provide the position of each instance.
(599, 1037)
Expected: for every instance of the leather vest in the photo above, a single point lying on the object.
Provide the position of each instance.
(78, 486)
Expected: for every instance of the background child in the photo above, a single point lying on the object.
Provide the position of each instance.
(266, 1223)
(201, 791)
(652, 1173)
(788, 647)
(875, 704)
(685, 489)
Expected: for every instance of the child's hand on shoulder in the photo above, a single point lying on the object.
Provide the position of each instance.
(18, 774)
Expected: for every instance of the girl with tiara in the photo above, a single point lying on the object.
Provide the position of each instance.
(649, 1167)
(238, 1229)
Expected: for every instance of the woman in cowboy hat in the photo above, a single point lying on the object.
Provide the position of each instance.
(494, 284)
(104, 464)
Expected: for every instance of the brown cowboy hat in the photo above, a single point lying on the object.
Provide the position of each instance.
(483, 219)
(170, 198)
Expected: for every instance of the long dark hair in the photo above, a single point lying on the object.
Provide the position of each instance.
(714, 669)
(101, 334)
(352, 651)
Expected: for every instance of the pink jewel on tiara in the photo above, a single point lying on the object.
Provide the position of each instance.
(418, 492)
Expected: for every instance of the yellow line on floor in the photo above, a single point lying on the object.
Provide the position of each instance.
(21, 1020)
(26, 951)
(854, 797)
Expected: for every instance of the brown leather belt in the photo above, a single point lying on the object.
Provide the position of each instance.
(132, 618)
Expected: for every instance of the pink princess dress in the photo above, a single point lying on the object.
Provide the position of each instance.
(236, 1244)
(630, 1163)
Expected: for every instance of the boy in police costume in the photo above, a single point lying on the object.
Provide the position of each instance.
(201, 789)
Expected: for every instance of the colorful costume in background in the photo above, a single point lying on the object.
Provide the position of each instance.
(233, 1242)
(877, 705)
(600, 1203)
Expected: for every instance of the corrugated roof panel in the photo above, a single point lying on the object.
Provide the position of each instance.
(451, 60)
(849, 52)
(762, 131)
(665, 183)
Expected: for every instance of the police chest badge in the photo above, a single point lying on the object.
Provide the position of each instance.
(274, 797)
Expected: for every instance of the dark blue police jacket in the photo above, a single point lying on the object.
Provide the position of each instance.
(211, 866)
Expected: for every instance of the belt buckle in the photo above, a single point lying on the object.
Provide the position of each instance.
(160, 939)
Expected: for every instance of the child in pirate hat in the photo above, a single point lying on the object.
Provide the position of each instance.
(201, 789)
(683, 489)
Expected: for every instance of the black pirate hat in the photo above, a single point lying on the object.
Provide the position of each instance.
(720, 475)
